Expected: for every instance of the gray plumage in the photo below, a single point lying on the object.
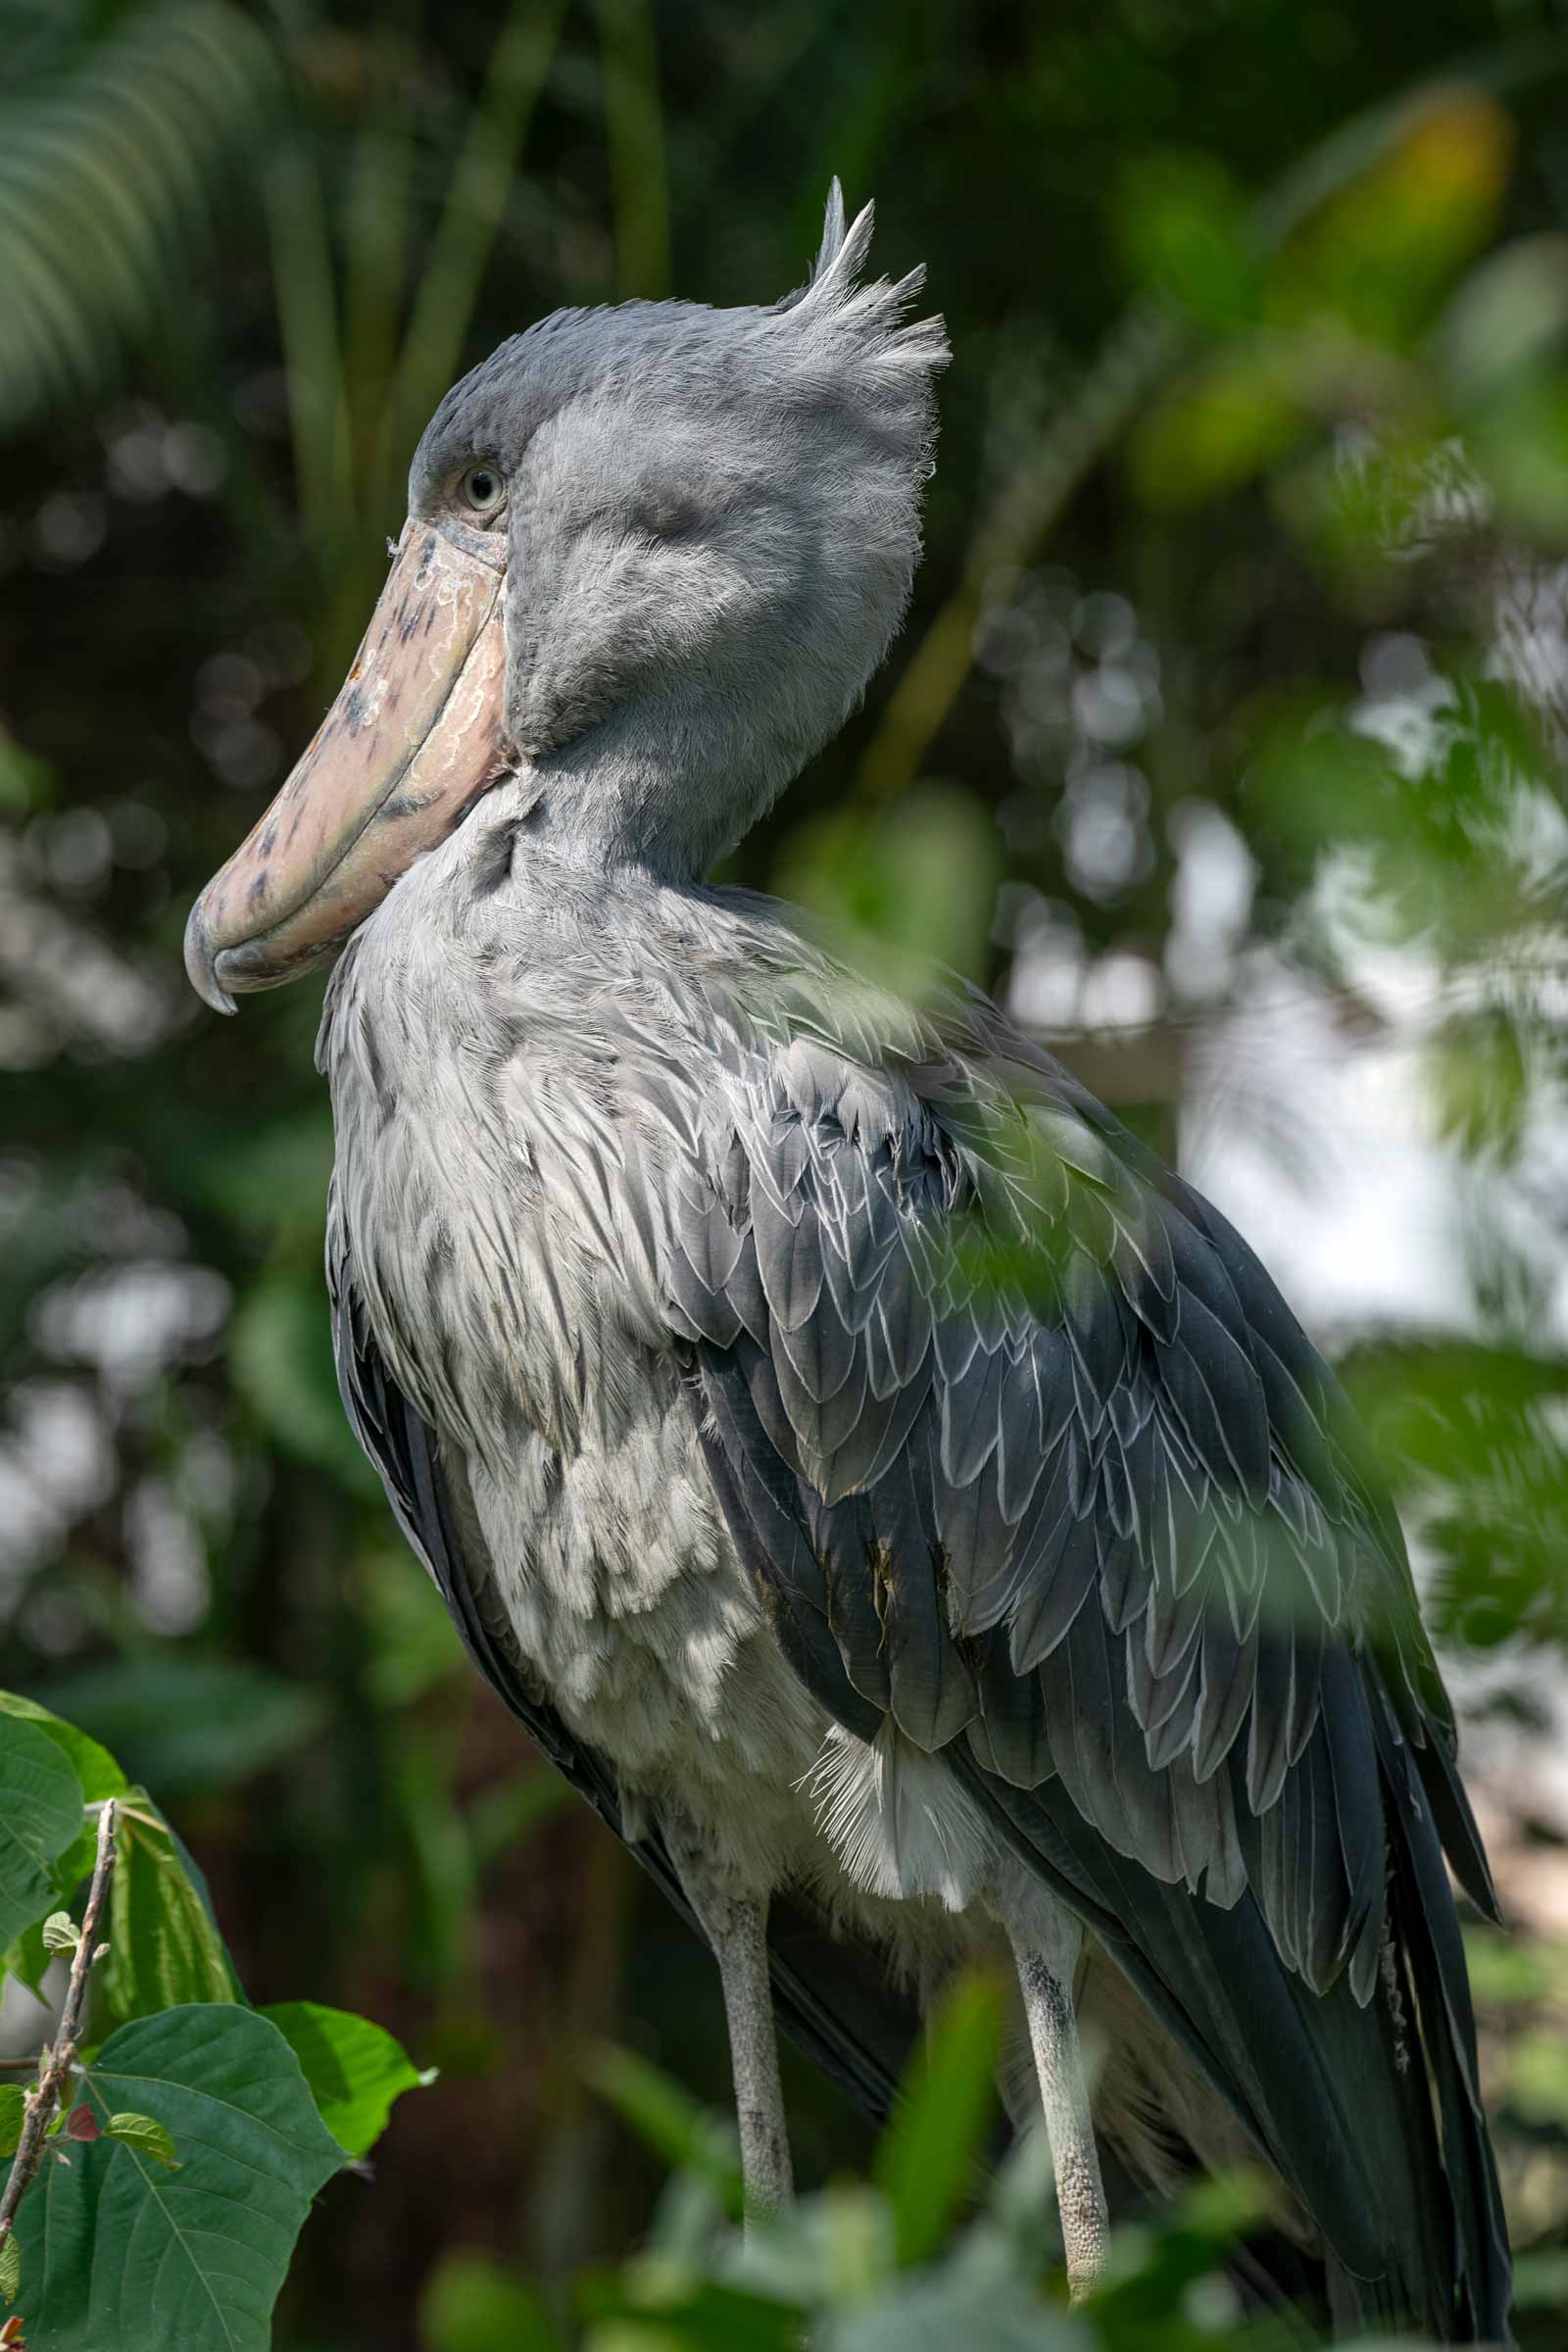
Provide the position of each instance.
(908, 1512)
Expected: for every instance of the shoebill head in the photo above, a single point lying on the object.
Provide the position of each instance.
(653, 555)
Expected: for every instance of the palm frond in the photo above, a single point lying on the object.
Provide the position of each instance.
(111, 160)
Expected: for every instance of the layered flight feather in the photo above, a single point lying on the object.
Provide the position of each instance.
(1031, 1458)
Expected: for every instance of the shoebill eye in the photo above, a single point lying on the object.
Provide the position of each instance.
(483, 488)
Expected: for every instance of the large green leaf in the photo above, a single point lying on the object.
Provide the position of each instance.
(355, 2069)
(120, 2254)
(164, 1946)
(95, 1768)
(100, 1776)
(928, 2153)
(40, 1816)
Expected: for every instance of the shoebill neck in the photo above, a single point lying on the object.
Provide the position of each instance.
(668, 791)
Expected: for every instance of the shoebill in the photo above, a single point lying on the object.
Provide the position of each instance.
(907, 1511)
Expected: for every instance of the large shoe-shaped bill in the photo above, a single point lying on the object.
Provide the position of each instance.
(414, 738)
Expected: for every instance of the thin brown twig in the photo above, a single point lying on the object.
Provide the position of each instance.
(57, 2062)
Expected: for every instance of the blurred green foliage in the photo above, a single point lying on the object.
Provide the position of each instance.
(1232, 702)
(155, 2066)
(929, 2252)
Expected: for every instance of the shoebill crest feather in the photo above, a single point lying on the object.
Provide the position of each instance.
(904, 1511)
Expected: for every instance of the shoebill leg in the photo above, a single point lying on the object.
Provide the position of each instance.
(1046, 1949)
(736, 1927)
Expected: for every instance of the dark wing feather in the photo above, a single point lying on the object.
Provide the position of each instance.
(1035, 1459)
(833, 2000)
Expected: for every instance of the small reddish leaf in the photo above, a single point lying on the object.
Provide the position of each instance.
(81, 2123)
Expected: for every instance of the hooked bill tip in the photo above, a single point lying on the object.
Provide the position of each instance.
(200, 964)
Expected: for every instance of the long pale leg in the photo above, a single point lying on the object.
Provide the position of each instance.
(736, 1925)
(1046, 1953)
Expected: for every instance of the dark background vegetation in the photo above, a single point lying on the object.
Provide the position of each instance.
(1230, 699)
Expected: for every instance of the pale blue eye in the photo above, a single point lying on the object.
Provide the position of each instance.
(483, 488)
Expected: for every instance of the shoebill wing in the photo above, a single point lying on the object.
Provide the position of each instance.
(1030, 1458)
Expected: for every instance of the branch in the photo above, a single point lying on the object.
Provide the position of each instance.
(57, 2063)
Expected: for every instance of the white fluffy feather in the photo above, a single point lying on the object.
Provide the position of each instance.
(897, 1820)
